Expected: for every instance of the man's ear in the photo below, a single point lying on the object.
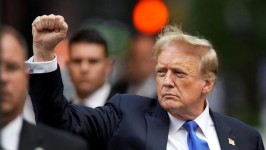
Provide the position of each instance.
(208, 86)
(109, 66)
(67, 64)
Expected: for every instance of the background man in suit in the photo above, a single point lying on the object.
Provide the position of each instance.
(89, 67)
(139, 59)
(186, 72)
(16, 133)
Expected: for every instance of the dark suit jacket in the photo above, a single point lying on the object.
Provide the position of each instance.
(42, 137)
(126, 122)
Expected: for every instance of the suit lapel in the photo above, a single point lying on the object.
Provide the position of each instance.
(224, 132)
(29, 137)
(157, 129)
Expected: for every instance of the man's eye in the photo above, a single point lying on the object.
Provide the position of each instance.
(94, 61)
(76, 61)
(160, 73)
(180, 74)
(12, 67)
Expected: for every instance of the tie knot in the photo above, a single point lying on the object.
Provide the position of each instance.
(190, 125)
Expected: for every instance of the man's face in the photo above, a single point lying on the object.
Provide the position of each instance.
(14, 78)
(180, 85)
(88, 67)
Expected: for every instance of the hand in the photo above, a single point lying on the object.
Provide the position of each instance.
(47, 32)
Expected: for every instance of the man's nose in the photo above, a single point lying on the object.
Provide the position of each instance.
(85, 66)
(3, 75)
(169, 80)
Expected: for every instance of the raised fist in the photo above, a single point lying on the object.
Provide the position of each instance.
(47, 32)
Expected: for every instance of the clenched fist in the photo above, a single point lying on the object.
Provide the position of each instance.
(47, 32)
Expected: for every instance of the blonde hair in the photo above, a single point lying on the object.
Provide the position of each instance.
(209, 60)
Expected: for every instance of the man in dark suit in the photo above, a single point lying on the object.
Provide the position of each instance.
(186, 72)
(89, 67)
(16, 133)
(138, 59)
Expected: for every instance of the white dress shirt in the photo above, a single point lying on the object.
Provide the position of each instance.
(41, 67)
(98, 98)
(28, 113)
(10, 134)
(177, 136)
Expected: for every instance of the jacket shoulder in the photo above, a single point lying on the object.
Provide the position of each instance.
(50, 138)
(236, 126)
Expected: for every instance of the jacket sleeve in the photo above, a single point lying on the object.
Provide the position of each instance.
(52, 108)
(260, 142)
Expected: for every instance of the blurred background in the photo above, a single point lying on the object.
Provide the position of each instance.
(236, 28)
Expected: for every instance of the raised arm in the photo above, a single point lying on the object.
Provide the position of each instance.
(46, 89)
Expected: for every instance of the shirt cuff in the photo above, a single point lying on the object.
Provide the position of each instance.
(41, 67)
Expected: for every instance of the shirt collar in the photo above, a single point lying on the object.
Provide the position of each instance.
(204, 121)
(11, 132)
(98, 98)
(175, 124)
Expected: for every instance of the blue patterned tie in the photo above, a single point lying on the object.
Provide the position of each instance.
(194, 143)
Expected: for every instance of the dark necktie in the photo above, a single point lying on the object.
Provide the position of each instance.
(194, 143)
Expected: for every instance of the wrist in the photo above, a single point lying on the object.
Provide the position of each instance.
(42, 54)
(43, 57)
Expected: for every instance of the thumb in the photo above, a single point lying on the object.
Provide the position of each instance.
(63, 28)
